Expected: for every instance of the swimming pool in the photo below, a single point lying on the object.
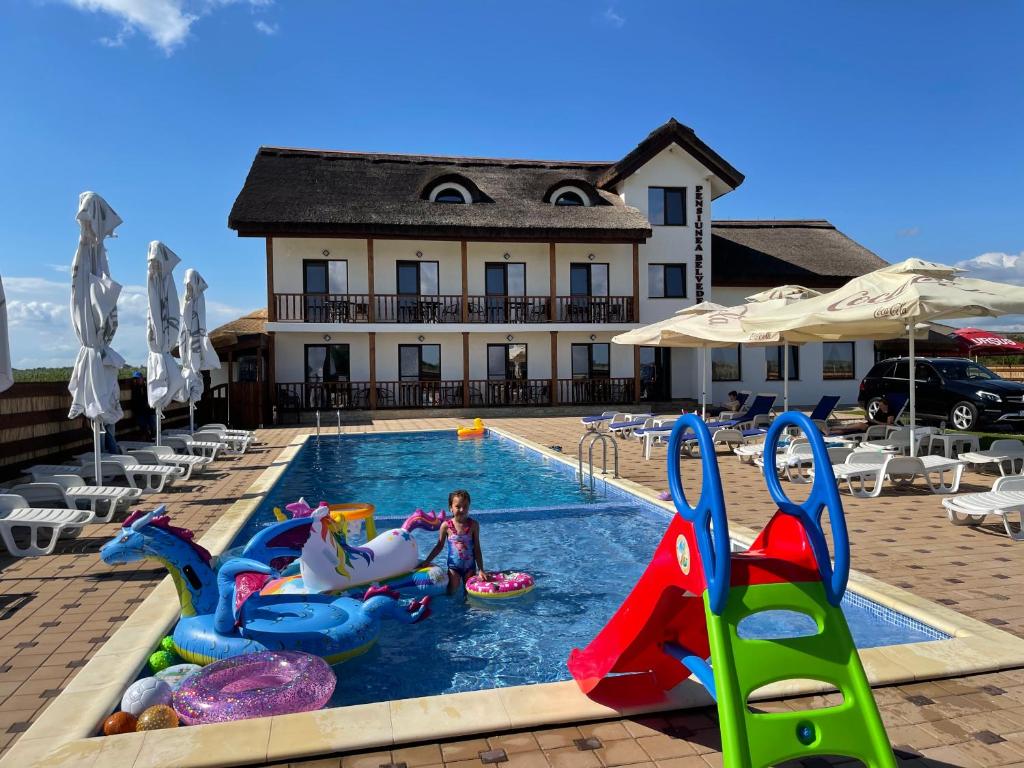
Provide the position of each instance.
(585, 552)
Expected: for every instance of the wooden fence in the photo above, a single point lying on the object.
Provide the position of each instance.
(35, 428)
(1009, 372)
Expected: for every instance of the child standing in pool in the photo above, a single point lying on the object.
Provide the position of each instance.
(462, 535)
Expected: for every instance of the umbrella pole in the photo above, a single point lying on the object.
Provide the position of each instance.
(96, 450)
(704, 382)
(191, 416)
(159, 418)
(913, 393)
(785, 377)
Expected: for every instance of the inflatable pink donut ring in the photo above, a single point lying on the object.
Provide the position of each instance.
(255, 685)
(502, 584)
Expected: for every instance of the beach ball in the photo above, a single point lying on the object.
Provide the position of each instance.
(167, 644)
(157, 718)
(119, 722)
(178, 674)
(161, 660)
(145, 693)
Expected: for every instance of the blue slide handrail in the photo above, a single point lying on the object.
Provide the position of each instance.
(824, 494)
(708, 516)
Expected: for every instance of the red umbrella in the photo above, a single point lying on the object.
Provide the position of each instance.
(977, 341)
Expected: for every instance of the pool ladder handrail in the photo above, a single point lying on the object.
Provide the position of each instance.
(604, 439)
(339, 422)
(317, 423)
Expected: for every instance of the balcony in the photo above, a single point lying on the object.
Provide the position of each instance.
(395, 308)
(362, 395)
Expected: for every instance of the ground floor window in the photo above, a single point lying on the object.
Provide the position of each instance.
(419, 362)
(327, 362)
(773, 363)
(591, 361)
(725, 364)
(506, 362)
(837, 360)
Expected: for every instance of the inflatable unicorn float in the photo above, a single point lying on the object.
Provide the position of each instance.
(228, 612)
(313, 554)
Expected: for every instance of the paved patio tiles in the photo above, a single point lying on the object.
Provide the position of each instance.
(56, 611)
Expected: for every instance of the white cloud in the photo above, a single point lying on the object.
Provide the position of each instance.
(166, 22)
(265, 28)
(909, 232)
(39, 316)
(1001, 267)
(611, 18)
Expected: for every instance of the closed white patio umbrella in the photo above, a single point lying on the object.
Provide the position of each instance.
(6, 373)
(95, 392)
(889, 303)
(164, 382)
(194, 347)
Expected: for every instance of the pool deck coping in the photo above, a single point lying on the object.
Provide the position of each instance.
(65, 732)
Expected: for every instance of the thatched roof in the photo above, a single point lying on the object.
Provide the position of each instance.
(674, 132)
(303, 191)
(248, 325)
(767, 253)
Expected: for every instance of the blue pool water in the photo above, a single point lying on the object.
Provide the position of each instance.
(584, 553)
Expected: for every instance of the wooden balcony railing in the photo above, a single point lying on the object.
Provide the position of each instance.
(396, 308)
(356, 395)
(595, 391)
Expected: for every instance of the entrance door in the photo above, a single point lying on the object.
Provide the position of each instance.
(655, 384)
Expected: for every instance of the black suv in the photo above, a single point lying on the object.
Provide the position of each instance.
(951, 389)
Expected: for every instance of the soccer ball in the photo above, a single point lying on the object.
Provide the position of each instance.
(145, 693)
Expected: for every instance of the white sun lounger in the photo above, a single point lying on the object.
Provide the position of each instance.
(251, 434)
(16, 513)
(1003, 453)
(164, 454)
(185, 445)
(150, 478)
(104, 501)
(866, 471)
(797, 462)
(43, 471)
(1005, 499)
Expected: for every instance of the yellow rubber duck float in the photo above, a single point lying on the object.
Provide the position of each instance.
(477, 430)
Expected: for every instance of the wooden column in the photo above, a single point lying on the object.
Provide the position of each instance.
(272, 373)
(636, 374)
(465, 282)
(231, 363)
(465, 346)
(262, 381)
(553, 285)
(554, 360)
(373, 371)
(271, 302)
(371, 311)
(636, 284)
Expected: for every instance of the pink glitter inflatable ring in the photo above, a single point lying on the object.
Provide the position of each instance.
(255, 685)
(503, 584)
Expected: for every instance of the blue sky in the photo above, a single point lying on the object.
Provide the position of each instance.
(899, 122)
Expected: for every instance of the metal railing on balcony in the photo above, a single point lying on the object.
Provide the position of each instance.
(398, 308)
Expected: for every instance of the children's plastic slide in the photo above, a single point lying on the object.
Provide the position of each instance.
(682, 617)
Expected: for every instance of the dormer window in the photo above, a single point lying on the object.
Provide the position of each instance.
(450, 192)
(570, 196)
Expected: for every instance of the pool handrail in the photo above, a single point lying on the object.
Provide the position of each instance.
(710, 523)
(824, 494)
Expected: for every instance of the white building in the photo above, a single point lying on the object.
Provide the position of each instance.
(420, 281)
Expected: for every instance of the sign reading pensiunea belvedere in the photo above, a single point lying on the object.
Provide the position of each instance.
(698, 243)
